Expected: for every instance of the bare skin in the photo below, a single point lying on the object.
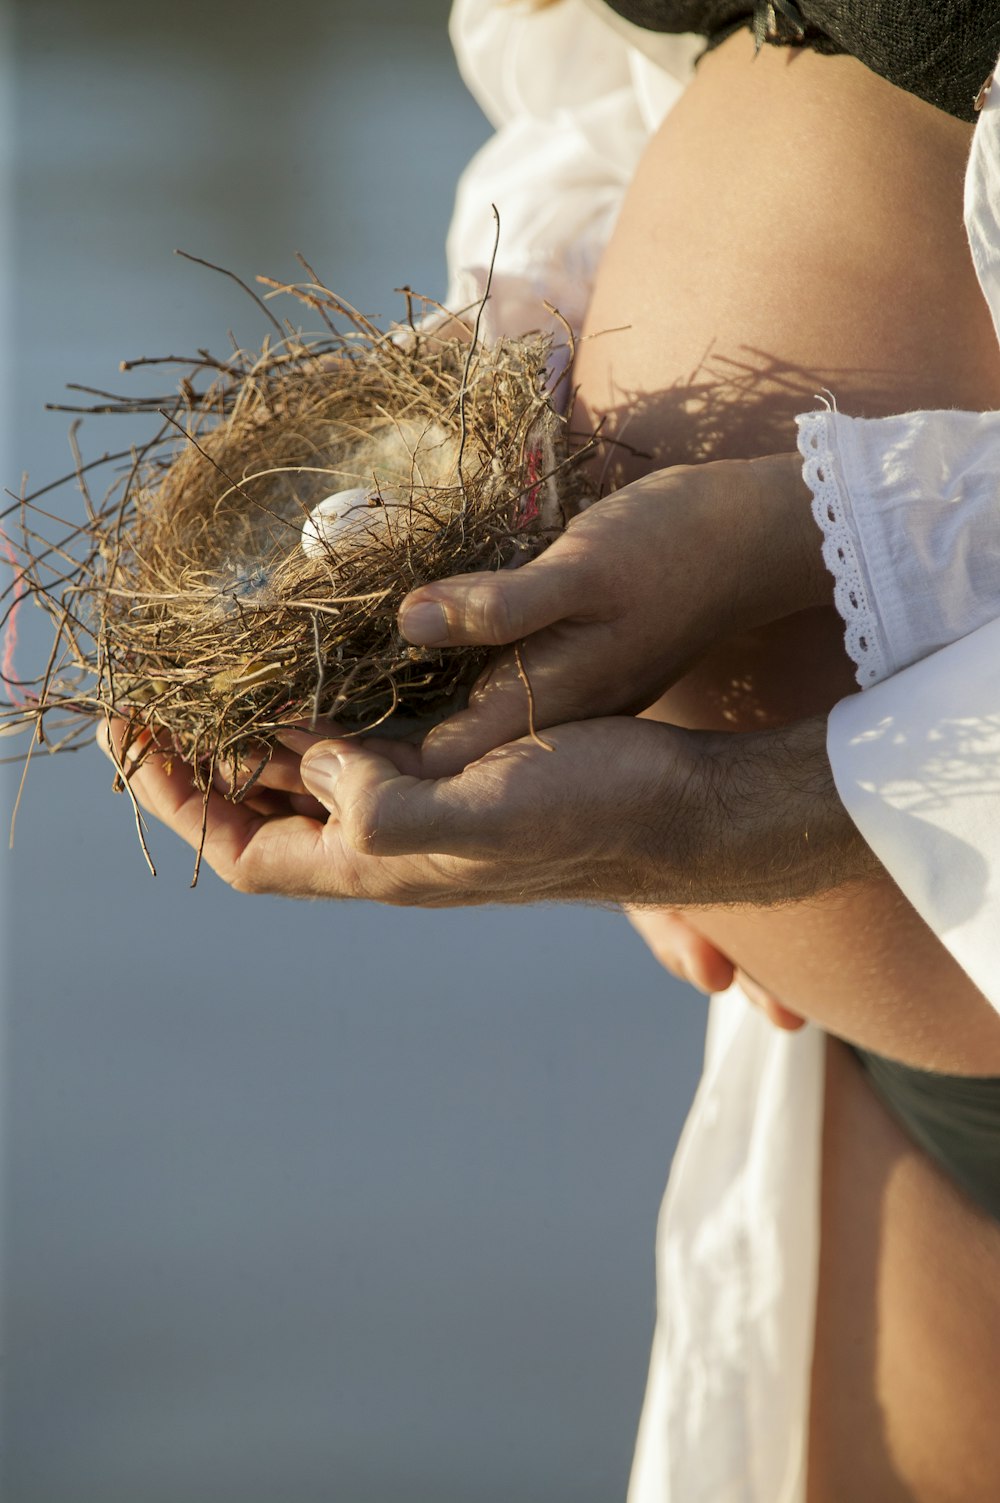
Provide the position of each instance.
(850, 273)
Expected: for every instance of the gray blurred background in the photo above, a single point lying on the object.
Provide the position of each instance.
(301, 1203)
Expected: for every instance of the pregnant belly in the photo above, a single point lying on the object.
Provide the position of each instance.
(737, 284)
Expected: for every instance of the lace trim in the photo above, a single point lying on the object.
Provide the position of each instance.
(862, 635)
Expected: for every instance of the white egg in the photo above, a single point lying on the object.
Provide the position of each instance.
(333, 520)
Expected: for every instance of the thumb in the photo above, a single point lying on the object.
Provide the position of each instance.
(518, 802)
(383, 811)
(493, 609)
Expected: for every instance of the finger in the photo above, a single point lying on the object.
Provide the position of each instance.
(247, 849)
(166, 789)
(280, 805)
(559, 676)
(497, 713)
(268, 804)
(492, 609)
(305, 804)
(384, 812)
(521, 802)
(775, 1012)
(682, 950)
(364, 788)
(405, 755)
(279, 772)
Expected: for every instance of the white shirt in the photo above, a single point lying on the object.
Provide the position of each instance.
(907, 506)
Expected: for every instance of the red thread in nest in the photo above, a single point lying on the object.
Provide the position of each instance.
(530, 509)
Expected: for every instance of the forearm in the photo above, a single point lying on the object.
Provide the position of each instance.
(782, 832)
(760, 825)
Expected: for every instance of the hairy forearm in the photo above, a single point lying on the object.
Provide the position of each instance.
(770, 828)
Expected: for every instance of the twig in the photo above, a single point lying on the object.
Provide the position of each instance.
(464, 394)
(523, 676)
(224, 272)
(320, 672)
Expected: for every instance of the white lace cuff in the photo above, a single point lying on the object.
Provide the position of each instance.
(842, 551)
(909, 508)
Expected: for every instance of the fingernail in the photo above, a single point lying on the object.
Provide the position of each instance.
(690, 973)
(321, 773)
(296, 741)
(424, 623)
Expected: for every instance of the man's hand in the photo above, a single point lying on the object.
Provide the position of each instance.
(523, 824)
(619, 607)
(619, 811)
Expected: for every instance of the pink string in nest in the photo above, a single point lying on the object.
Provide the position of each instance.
(534, 465)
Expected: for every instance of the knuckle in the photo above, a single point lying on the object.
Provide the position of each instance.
(400, 894)
(243, 874)
(489, 612)
(584, 558)
(361, 822)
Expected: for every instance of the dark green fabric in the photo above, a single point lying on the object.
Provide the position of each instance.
(940, 50)
(954, 1118)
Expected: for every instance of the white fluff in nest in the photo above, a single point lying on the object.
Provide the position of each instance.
(397, 459)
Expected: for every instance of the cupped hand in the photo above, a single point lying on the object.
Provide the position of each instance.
(612, 812)
(608, 810)
(670, 934)
(621, 604)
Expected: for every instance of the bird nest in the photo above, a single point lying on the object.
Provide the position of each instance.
(243, 572)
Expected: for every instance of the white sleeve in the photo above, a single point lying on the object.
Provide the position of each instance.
(574, 105)
(910, 510)
(909, 507)
(917, 764)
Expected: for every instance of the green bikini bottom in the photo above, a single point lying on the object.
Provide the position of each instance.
(955, 1118)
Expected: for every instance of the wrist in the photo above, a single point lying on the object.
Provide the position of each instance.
(784, 833)
(782, 560)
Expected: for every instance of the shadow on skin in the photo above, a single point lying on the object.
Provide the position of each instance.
(728, 407)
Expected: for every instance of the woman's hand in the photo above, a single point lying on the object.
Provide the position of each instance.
(622, 603)
(688, 955)
(681, 950)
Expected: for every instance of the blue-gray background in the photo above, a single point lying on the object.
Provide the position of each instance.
(301, 1202)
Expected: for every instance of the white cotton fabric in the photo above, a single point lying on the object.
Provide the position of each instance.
(574, 105)
(575, 94)
(917, 763)
(725, 1415)
(909, 508)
